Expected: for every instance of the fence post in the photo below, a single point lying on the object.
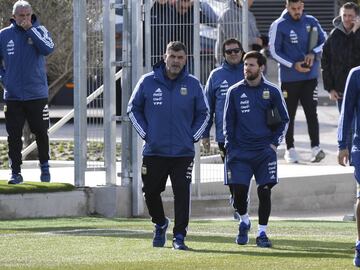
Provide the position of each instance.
(80, 91)
(196, 51)
(109, 91)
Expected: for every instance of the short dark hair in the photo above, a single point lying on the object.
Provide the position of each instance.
(231, 41)
(176, 46)
(261, 59)
(293, 1)
(351, 5)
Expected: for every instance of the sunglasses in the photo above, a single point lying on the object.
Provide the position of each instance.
(230, 51)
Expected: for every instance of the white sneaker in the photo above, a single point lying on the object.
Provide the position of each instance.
(317, 154)
(291, 156)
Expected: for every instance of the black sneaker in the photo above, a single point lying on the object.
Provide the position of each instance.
(160, 234)
(178, 242)
(263, 241)
(16, 178)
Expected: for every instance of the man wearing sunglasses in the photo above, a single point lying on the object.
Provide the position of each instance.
(230, 72)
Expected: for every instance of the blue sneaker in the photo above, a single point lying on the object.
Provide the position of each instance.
(242, 238)
(16, 178)
(178, 242)
(45, 172)
(263, 241)
(357, 256)
(160, 234)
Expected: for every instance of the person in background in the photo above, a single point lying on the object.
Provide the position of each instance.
(169, 110)
(290, 36)
(230, 26)
(23, 47)
(341, 52)
(251, 143)
(230, 72)
(161, 14)
(350, 112)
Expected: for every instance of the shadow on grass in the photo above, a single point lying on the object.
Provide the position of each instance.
(141, 229)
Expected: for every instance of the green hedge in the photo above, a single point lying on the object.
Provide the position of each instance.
(33, 187)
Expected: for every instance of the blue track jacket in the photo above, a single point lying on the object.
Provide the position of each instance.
(22, 61)
(245, 117)
(170, 115)
(289, 42)
(217, 85)
(350, 110)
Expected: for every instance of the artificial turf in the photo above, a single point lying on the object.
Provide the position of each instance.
(95, 243)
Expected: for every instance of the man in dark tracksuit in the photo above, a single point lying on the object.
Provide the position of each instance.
(23, 47)
(341, 52)
(289, 45)
(251, 144)
(169, 111)
(350, 112)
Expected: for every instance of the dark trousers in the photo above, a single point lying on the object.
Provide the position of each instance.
(36, 112)
(155, 171)
(306, 93)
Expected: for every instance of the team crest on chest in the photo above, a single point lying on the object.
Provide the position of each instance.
(183, 90)
(266, 94)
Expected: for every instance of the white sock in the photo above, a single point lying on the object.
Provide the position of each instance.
(245, 219)
(261, 228)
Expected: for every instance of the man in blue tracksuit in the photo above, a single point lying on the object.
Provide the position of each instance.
(169, 111)
(230, 72)
(350, 111)
(251, 143)
(23, 47)
(296, 41)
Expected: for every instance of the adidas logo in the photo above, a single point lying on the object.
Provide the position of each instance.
(224, 84)
(10, 44)
(243, 95)
(157, 93)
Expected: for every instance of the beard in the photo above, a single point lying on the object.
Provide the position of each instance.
(252, 76)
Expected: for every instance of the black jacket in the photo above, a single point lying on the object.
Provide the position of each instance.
(341, 52)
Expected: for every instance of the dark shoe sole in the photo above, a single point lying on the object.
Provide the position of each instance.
(319, 157)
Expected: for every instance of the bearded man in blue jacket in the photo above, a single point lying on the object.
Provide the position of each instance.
(169, 110)
(296, 41)
(251, 143)
(23, 47)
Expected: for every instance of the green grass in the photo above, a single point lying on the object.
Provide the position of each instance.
(103, 244)
(33, 187)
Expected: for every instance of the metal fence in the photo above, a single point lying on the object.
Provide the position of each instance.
(146, 29)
